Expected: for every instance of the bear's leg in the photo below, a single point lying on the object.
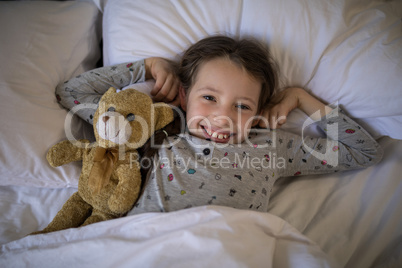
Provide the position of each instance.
(98, 216)
(73, 213)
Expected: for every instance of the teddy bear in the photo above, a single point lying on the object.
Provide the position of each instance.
(110, 179)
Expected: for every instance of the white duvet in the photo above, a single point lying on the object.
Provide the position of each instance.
(208, 236)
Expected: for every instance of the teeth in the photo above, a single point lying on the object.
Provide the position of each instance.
(216, 135)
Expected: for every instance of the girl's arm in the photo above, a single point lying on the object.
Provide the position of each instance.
(346, 145)
(287, 100)
(89, 87)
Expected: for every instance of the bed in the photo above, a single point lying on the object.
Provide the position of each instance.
(346, 52)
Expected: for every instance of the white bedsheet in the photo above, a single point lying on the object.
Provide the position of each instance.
(354, 217)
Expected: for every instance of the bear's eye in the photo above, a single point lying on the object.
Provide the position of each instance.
(111, 109)
(130, 117)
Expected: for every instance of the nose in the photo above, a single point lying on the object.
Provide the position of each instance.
(105, 118)
(223, 116)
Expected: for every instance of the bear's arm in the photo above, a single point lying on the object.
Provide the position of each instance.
(65, 152)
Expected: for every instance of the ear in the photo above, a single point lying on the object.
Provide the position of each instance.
(163, 115)
(255, 122)
(101, 106)
(183, 99)
(109, 92)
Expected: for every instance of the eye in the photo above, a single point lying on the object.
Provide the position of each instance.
(209, 98)
(242, 107)
(111, 109)
(130, 117)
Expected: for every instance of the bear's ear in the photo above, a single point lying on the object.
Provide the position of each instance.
(163, 115)
(102, 103)
(109, 92)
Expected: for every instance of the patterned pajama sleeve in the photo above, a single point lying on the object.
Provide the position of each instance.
(89, 87)
(347, 146)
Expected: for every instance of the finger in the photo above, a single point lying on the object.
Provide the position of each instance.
(175, 102)
(282, 115)
(280, 112)
(159, 82)
(275, 118)
(173, 92)
(281, 120)
(272, 121)
(264, 119)
(169, 90)
(271, 117)
(161, 94)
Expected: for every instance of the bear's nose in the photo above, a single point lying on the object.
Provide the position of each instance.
(105, 118)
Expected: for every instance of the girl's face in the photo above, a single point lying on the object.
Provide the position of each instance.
(222, 103)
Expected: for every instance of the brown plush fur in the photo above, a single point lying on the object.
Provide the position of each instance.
(117, 194)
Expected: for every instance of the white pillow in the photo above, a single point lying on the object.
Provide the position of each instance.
(42, 44)
(342, 51)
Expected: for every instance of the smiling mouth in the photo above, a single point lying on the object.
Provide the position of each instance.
(216, 135)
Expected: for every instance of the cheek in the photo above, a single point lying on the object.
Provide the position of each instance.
(196, 109)
(191, 115)
(244, 125)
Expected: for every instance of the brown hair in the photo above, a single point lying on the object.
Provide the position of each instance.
(248, 53)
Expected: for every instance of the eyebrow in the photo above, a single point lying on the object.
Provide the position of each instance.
(217, 91)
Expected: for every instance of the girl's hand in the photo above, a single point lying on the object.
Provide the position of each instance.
(280, 106)
(285, 101)
(166, 82)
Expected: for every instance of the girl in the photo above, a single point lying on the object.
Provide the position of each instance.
(225, 89)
